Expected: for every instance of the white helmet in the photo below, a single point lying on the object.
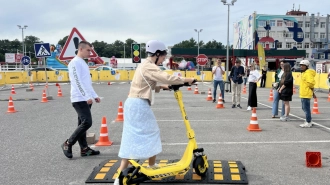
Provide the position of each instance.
(154, 45)
(304, 62)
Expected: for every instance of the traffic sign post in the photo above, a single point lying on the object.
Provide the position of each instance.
(26, 61)
(201, 60)
(42, 50)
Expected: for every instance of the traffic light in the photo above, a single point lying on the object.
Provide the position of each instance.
(136, 53)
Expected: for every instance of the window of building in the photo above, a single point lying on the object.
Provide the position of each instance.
(312, 45)
(272, 34)
(289, 45)
(322, 35)
(299, 45)
(289, 35)
(307, 55)
(262, 23)
(306, 45)
(279, 23)
(300, 24)
(322, 24)
(272, 23)
(279, 44)
(300, 35)
(307, 24)
(261, 34)
(322, 56)
(263, 44)
(279, 34)
(289, 24)
(307, 35)
(323, 46)
(316, 35)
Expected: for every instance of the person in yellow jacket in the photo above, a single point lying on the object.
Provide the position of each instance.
(306, 91)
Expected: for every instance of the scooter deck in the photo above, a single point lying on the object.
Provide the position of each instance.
(219, 172)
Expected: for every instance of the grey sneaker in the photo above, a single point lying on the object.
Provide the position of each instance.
(67, 149)
(306, 125)
(284, 118)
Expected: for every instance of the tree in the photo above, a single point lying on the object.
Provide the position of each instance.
(62, 41)
(187, 44)
(214, 45)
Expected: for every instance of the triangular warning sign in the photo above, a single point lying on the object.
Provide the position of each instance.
(42, 51)
(71, 46)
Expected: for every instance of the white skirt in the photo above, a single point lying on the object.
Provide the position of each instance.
(141, 135)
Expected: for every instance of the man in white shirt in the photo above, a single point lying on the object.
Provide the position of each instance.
(217, 72)
(82, 96)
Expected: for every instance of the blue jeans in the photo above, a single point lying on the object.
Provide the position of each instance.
(306, 107)
(245, 80)
(222, 88)
(276, 97)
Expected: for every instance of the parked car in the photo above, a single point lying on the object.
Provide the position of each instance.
(43, 69)
(105, 68)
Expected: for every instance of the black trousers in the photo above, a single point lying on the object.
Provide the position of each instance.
(252, 100)
(84, 123)
(263, 81)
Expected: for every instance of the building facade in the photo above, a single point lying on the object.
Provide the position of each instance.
(297, 30)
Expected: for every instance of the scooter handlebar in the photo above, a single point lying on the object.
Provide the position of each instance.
(177, 87)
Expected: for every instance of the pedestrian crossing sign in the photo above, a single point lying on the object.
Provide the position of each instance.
(42, 50)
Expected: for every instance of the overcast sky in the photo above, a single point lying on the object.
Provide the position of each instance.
(170, 21)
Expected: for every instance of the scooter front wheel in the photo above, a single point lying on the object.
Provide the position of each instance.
(199, 166)
(126, 176)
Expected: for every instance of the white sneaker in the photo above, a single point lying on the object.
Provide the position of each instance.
(153, 166)
(249, 108)
(116, 182)
(306, 125)
(284, 118)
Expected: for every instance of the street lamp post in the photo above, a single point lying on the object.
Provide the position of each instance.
(227, 55)
(198, 31)
(124, 57)
(22, 28)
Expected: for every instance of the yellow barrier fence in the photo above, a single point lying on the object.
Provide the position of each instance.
(2, 79)
(19, 77)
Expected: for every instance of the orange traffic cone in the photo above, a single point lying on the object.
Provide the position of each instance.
(294, 90)
(109, 83)
(120, 117)
(329, 97)
(189, 88)
(44, 97)
(244, 89)
(104, 138)
(220, 103)
(11, 108)
(196, 90)
(209, 96)
(59, 92)
(271, 95)
(254, 126)
(13, 89)
(31, 86)
(315, 107)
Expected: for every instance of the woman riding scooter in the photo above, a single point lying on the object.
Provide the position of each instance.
(141, 135)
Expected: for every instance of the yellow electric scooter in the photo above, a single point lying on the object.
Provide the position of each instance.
(136, 173)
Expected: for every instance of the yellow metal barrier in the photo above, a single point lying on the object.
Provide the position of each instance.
(131, 74)
(2, 78)
(206, 74)
(14, 77)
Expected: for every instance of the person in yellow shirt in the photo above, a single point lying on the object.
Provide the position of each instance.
(306, 91)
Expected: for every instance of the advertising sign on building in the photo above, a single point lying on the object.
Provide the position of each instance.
(10, 57)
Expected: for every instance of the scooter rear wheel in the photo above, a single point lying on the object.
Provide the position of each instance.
(126, 175)
(199, 166)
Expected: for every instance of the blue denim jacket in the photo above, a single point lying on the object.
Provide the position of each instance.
(235, 71)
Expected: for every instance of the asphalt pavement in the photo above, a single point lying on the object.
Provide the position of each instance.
(31, 137)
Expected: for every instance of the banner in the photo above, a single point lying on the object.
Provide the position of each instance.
(10, 57)
(261, 56)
